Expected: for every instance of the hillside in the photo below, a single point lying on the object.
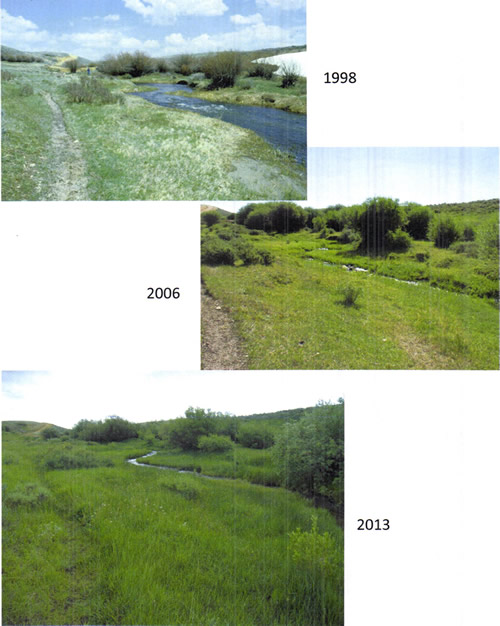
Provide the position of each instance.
(33, 429)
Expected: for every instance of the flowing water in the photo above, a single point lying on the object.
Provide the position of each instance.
(283, 130)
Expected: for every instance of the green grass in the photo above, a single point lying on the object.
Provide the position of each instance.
(132, 545)
(26, 124)
(291, 314)
(254, 466)
(136, 150)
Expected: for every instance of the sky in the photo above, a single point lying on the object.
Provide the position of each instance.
(63, 398)
(95, 28)
(424, 175)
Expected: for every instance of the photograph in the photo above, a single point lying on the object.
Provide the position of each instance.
(153, 100)
(127, 500)
(392, 263)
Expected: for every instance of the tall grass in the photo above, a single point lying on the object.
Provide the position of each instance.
(131, 545)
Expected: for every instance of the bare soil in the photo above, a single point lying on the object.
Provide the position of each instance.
(69, 181)
(221, 347)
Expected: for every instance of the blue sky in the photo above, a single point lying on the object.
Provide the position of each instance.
(63, 398)
(424, 175)
(94, 28)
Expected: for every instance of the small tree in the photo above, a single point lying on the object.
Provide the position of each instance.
(379, 217)
(72, 65)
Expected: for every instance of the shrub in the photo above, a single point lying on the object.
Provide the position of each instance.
(215, 443)
(289, 74)
(162, 66)
(250, 436)
(184, 64)
(443, 231)
(91, 90)
(488, 239)
(379, 217)
(140, 63)
(398, 241)
(185, 432)
(418, 221)
(348, 235)
(349, 294)
(222, 68)
(112, 429)
(72, 65)
(217, 252)
(468, 233)
(6, 75)
(315, 552)
(263, 70)
(210, 217)
(469, 248)
(50, 433)
(287, 217)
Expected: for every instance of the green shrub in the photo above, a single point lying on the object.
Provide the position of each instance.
(488, 239)
(136, 64)
(90, 91)
(217, 252)
(250, 436)
(398, 240)
(184, 432)
(6, 75)
(289, 74)
(222, 68)
(419, 218)
(214, 443)
(348, 235)
(318, 553)
(349, 294)
(184, 64)
(443, 231)
(469, 248)
(162, 66)
(210, 217)
(50, 433)
(113, 428)
(262, 70)
(379, 217)
(468, 234)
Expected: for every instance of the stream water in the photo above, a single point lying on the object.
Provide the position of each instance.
(166, 467)
(283, 130)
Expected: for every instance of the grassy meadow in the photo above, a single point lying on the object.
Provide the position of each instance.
(315, 299)
(130, 149)
(91, 539)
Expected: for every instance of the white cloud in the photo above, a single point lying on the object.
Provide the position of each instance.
(111, 18)
(97, 44)
(18, 31)
(167, 11)
(284, 5)
(251, 37)
(246, 19)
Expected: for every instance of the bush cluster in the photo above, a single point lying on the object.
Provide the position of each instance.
(91, 91)
(262, 70)
(251, 436)
(112, 429)
(134, 64)
(72, 65)
(281, 217)
(64, 460)
(215, 443)
(290, 74)
(443, 231)
(222, 68)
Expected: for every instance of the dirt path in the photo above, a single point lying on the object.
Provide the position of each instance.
(220, 346)
(68, 166)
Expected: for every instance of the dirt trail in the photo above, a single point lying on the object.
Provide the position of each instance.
(220, 346)
(68, 166)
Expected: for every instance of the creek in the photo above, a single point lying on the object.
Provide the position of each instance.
(174, 469)
(284, 131)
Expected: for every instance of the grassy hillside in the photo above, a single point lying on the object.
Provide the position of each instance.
(91, 539)
(317, 300)
(29, 428)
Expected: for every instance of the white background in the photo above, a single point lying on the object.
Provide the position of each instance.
(422, 447)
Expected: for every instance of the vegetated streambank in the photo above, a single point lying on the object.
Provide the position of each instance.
(283, 130)
(127, 148)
